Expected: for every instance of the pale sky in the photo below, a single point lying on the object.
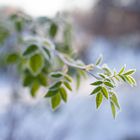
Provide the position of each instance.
(47, 7)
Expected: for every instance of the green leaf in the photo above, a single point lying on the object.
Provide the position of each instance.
(42, 79)
(105, 92)
(128, 80)
(132, 80)
(99, 60)
(56, 74)
(107, 70)
(28, 80)
(78, 80)
(109, 84)
(97, 83)
(55, 101)
(34, 88)
(122, 77)
(99, 99)
(63, 94)
(51, 93)
(116, 77)
(122, 70)
(67, 85)
(36, 63)
(129, 72)
(12, 58)
(96, 90)
(115, 100)
(68, 78)
(56, 85)
(108, 80)
(53, 30)
(47, 52)
(102, 75)
(30, 50)
(113, 109)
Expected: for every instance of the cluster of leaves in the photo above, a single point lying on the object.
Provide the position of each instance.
(58, 90)
(38, 60)
(107, 81)
(42, 60)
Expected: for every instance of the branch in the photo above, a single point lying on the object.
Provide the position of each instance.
(86, 68)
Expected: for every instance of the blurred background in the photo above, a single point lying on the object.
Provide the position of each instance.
(107, 27)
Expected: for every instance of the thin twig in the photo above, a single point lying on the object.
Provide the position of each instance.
(93, 75)
(75, 66)
(68, 63)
